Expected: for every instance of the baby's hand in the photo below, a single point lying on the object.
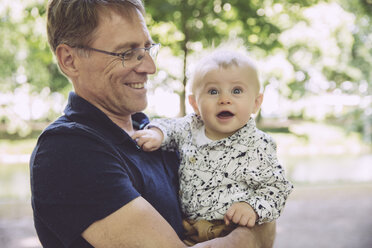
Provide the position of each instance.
(241, 213)
(149, 139)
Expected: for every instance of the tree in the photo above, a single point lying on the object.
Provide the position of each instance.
(28, 72)
(298, 59)
(185, 25)
(361, 59)
(26, 57)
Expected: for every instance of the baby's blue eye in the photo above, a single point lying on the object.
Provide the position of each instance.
(213, 92)
(237, 91)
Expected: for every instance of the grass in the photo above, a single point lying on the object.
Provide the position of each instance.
(14, 177)
(304, 146)
(14, 181)
(317, 139)
(19, 146)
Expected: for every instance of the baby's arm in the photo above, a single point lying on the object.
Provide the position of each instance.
(149, 139)
(241, 213)
(168, 134)
(270, 197)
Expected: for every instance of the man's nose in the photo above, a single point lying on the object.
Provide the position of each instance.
(147, 65)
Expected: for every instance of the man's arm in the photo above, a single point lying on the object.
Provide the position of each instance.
(260, 236)
(136, 224)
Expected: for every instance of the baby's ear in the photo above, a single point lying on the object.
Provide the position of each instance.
(193, 104)
(257, 103)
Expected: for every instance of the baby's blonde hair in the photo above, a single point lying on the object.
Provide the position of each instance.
(221, 59)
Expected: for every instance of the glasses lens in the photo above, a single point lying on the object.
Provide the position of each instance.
(153, 51)
(135, 56)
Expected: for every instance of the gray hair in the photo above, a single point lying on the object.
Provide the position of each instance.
(73, 22)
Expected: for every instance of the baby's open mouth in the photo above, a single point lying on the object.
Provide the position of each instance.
(225, 114)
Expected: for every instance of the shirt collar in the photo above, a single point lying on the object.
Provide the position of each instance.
(83, 112)
(244, 133)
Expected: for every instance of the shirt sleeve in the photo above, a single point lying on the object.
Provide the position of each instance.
(174, 130)
(77, 179)
(273, 188)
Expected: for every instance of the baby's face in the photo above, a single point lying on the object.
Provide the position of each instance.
(225, 100)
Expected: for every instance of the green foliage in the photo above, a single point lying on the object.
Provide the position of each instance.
(181, 24)
(29, 76)
(24, 51)
(8, 48)
(211, 22)
(312, 61)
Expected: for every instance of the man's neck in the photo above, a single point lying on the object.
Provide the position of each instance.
(125, 122)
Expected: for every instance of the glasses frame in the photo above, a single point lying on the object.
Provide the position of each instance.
(122, 55)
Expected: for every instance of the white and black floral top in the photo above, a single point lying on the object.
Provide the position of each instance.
(215, 174)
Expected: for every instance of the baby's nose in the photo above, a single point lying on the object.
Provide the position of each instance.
(224, 100)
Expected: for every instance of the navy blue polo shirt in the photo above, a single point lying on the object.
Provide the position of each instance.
(84, 167)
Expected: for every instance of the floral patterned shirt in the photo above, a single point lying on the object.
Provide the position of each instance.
(240, 168)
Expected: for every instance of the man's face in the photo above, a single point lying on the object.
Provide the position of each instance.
(116, 90)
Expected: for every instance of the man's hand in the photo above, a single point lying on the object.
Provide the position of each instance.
(241, 213)
(260, 236)
(149, 139)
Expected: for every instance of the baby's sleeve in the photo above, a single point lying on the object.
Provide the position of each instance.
(174, 131)
(270, 197)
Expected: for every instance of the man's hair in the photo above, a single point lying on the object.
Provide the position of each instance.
(73, 22)
(221, 59)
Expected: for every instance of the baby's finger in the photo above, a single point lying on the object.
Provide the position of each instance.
(243, 221)
(140, 141)
(236, 218)
(230, 213)
(227, 221)
(135, 136)
(251, 222)
(148, 147)
(138, 134)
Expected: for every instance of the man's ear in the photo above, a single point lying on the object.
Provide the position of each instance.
(257, 103)
(66, 57)
(193, 104)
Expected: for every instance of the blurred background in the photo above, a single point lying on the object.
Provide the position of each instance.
(315, 63)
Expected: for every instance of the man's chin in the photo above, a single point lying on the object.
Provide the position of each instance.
(142, 107)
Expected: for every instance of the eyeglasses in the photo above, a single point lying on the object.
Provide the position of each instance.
(131, 57)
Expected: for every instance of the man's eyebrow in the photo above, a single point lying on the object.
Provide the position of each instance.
(125, 46)
(130, 45)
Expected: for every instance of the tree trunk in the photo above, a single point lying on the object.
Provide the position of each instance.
(182, 94)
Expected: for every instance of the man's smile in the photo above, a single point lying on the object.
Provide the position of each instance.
(136, 85)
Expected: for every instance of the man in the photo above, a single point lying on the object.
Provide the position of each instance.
(91, 184)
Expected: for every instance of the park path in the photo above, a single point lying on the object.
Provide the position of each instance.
(327, 216)
(316, 216)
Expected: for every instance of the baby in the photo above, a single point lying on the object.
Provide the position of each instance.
(229, 170)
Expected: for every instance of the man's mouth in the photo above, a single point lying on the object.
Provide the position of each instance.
(225, 114)
(135, 85)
